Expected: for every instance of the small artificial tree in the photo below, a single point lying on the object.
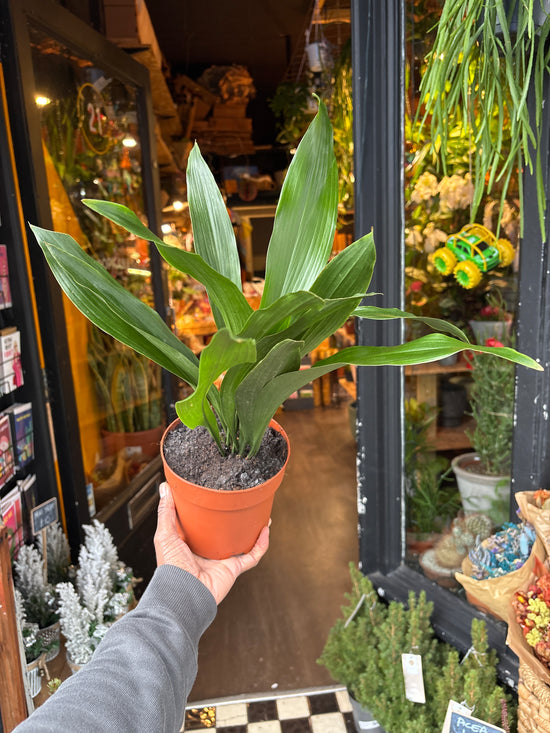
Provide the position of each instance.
(58, 555)
(39, 598)
(102, 594)
(34, 644)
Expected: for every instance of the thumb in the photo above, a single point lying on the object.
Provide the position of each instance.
(166, 523)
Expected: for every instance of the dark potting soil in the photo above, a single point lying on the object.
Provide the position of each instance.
(194, 456)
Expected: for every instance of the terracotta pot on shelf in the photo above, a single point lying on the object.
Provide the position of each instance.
(216, 523)
(146, 440)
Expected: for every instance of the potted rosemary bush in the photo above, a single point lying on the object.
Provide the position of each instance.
(485, 56)
(483, 476)
(305, 299)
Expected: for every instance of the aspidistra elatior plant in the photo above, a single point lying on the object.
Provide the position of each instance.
(306, 298)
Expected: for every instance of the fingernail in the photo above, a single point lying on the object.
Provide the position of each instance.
(163, 490)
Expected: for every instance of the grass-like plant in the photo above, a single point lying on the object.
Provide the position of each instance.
(306, 298)
(485, 58)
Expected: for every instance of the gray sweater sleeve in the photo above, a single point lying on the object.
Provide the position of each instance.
(143, 670)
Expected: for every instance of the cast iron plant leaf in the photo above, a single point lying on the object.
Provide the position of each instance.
(306, 298)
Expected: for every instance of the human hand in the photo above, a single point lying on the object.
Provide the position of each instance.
(217, 575)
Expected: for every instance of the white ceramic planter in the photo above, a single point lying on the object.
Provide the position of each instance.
(479, 492)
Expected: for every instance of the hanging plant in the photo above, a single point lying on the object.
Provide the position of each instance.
(485, 57)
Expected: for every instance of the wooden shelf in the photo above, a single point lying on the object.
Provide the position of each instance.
(454, 438)
(426, 378)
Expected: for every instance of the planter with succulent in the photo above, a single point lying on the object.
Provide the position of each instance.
(483, 476)
(102, 592)
(486, 56)
(364, 652)
(305, 299)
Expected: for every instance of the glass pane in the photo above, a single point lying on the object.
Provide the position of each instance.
(91, 146)
(461, 266)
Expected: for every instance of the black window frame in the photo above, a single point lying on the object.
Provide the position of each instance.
(378, 63)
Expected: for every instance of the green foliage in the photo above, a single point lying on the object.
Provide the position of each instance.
(127, 385)
(364, 654)
(492, 406)
(481, 68)
(431, 499)
(306, 298)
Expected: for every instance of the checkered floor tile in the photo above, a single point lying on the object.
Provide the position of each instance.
(319, 712)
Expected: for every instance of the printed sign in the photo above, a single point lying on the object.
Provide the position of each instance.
(43, 515)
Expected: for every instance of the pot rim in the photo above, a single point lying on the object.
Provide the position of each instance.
(473, 456)
(272, 424)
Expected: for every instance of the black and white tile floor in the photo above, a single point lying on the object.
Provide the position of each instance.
(326, 711)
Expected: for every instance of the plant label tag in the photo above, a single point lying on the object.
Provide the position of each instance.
(454, 707)
(412, 674)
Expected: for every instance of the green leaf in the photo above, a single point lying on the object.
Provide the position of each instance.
(223, 352)
(253, 421)
(349, 273)
(229, 305)
(212, 229)
(268, 320)
(305, 220)
(428, 348)
(223, 294)
(381, 314)
(108, 305)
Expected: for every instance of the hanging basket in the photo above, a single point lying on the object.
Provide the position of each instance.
(534, 703)
(51, 637)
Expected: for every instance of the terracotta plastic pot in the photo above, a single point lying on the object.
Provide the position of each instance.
(217, 523)
(145, 440)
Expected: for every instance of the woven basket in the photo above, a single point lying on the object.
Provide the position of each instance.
(51, 636)
(534, 703)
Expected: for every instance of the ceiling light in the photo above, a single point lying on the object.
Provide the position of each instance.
(178, 205)
(41, 100)
(129, 141)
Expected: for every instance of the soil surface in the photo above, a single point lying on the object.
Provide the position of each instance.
(194, 456)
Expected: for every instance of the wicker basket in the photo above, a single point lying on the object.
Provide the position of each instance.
(534, 703)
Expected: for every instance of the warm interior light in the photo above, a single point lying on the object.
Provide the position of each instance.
(129, 141)
(177, 205)
(42, 101)
(166, 228)
(136, 271)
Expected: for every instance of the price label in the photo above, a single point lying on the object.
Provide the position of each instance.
(44, 515)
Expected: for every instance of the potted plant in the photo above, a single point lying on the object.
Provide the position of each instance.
(306, 298)
(102, 592)
(492, 320)
(483, 476)
(431, 499)
(38, 596)
(364, 652)
(34, 646)
(485, 56)
(129, 395)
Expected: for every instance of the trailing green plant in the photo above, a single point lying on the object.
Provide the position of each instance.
(485, 58)
(363, 652)
(306, 298)
(128, 385)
